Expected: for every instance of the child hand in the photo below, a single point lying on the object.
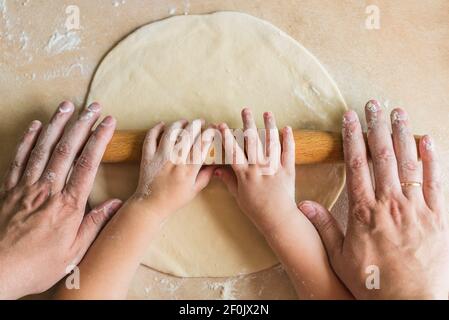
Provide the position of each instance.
(168, 178)
(264, 194)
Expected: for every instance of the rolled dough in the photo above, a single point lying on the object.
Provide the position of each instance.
(211, 66)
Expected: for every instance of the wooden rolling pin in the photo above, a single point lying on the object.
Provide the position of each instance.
(311, 146)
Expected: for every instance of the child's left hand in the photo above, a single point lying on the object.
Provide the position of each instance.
(168, 179)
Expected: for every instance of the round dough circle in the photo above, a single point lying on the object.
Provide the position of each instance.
(211, 66)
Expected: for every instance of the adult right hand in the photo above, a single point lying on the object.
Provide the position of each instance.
(43, 227)
(397, 240)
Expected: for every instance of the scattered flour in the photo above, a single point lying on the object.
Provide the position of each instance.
(4, 14)
(297, 92)
(168, 285)
(60, 42)
(226, 288)
(23, 40)
(186, 7)
(314, 90)
(172, 10)
(3, 7)
(117, 3)
(64, 72)
(50, 176)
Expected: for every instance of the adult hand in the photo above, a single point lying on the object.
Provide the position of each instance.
(43, 227)
(397, 241)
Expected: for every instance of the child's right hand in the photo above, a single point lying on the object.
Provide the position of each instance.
(266, 197)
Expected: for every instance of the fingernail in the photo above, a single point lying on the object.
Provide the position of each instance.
(94, 107)
(113, 206)
(397, 116)
(108, 121)
(373, 106)
(267, 114)
(35, 125)
(308, 209)
(428, 143)
(65, 107)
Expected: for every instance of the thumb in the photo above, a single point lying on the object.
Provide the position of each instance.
(326, 225)
(92, 224)
(204, 177)
(227, 176)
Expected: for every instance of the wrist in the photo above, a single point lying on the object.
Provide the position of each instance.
(269, 220)
(7, 291)
(148, 206)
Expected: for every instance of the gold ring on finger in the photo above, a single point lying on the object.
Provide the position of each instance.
(411, 184)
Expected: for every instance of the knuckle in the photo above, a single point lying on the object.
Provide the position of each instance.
(357, 162)
(70, 200)
(324, 223)
(85, 163)
(383, 155)
(361, 212)
(409, 165)
(27, 203)
(96, 218)
(63, 149)
(247, 175)
(16, 164)
(38, 153)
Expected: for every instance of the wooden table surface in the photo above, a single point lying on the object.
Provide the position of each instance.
(404, 63)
